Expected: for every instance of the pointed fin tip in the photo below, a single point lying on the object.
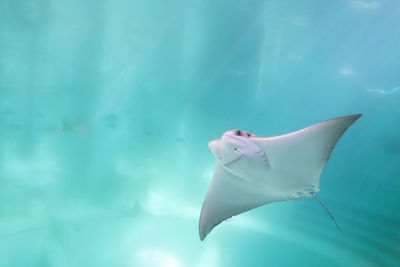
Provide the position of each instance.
(353, 116)
(356, 116)
(202, 229)
(201, 234)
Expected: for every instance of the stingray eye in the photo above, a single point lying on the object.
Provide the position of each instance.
(248, 134)
(238, 132)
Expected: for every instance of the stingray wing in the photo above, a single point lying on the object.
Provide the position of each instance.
(298, 158)
(228, 196)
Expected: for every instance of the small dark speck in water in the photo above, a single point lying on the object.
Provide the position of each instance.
(111, 120)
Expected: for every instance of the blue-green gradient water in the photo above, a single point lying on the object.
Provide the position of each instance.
(107, 107)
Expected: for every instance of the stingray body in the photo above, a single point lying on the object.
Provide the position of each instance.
(252, 171)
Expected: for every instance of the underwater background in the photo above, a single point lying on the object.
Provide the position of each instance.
(107, 107)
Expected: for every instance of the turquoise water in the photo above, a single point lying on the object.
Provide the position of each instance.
(106, 109)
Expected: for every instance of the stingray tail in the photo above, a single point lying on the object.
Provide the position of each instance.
(330, 215)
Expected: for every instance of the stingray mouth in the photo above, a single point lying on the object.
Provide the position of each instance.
(229, 162)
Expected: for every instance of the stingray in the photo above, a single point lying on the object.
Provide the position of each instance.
(252, 171)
